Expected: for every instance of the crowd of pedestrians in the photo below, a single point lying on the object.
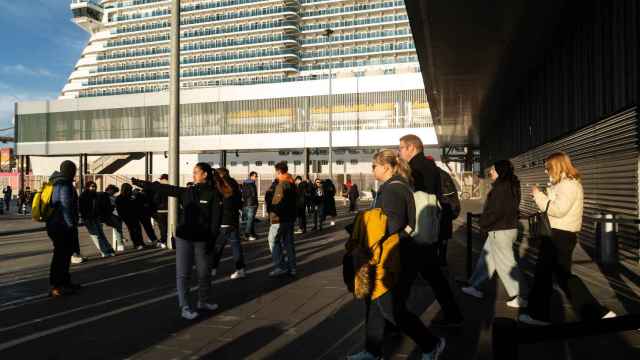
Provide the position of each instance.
(212, 206)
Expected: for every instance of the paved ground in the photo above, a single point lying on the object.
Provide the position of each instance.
(128, 309)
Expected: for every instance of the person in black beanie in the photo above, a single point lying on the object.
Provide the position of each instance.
(62, 228)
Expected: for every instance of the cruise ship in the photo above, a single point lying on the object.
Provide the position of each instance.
(257, 77)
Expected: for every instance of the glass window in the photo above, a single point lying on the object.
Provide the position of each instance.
(234, 163)
(258, 163)
(271, 163)
(354, 162)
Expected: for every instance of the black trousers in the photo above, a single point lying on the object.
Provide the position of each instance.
(423, 260)
(161, 219)
(148, 228)
(555, 258)
(391, 308)
(302, 219)
(353, 204)
(63, 244)
(135, 232)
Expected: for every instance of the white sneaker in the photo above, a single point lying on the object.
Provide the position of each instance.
(277, 272)
(160, 245)
(188, 314)
(214, 272)
(333, 223)
(517, 303)
(75, 259)
(140, 247)
(239, 274)
(207, 306)
(297, 232)
(471, 291)
(527, 319)
(120, 248)
(251, 238)
(610, 315)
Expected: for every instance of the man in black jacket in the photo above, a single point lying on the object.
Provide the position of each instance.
(250, 199)
(161, 203)
(91, 212)
(423, 258)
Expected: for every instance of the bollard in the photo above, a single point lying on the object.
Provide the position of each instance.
(606, 240)
(469, 244)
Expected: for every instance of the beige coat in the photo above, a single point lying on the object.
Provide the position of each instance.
(567, 203)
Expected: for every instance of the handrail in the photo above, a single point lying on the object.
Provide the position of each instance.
(507, 334)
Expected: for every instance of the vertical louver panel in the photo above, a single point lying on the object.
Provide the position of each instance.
(606, 153)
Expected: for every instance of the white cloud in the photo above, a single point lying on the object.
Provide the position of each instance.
(20, 69)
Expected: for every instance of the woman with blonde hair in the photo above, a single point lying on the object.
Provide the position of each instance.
(564, 202)
(395, 198)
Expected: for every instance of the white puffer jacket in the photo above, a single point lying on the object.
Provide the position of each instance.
(567, 203)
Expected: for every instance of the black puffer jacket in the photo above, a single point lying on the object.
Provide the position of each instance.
(201, 213)
(501, 208)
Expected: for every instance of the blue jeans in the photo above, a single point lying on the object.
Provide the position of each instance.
(281, 239)
(94, 227)
(250, 215)
(228, 234)
(186, 252)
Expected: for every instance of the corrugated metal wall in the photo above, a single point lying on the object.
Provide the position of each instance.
(606, 153)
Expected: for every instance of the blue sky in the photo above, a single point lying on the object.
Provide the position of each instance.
(39, 48)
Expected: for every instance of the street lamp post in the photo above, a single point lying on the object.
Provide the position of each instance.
(328, 33)
(174, 120)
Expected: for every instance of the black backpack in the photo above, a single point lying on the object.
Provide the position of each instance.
(450, 197)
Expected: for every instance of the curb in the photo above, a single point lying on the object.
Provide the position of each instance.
(22, 231)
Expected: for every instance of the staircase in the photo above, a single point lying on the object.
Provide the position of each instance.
(109, 164)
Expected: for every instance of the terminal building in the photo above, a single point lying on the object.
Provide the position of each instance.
(261, 81)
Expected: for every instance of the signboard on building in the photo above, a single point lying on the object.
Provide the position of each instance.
(7, 160)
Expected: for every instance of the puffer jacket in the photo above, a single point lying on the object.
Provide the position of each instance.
(64, 201)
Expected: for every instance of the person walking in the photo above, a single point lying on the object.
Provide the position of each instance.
(329, 205)
(353, 195)
(91, 216)
(309, 194)
(7, 192)
(301, 213)
(148, 210)
(112, 219)
(395, 198)
(130, 210)
(426, 178)
(283, 212)
(230, 227)
(62, 229)
(23, 200)
(564, 204)
(318, 204)
(161, 204)
(198, 228)
(250, 202)
(500, 221)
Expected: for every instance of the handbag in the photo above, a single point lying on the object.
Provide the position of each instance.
(539, 224)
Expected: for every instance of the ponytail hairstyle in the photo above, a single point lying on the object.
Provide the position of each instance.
(222, 184)
(398, 166)
(214, 180)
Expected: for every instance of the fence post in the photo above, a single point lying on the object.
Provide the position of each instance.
(504, 339)
(469, 244)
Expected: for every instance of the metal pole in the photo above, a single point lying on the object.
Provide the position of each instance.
(174, 119)
(328, 33)
(469, 259)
